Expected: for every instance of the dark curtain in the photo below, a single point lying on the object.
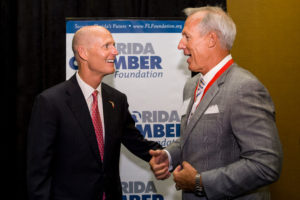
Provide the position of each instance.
(32, 40)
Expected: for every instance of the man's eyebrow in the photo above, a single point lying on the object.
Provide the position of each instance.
(185, 34)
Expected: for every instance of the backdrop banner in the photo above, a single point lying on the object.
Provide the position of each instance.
(151, 71)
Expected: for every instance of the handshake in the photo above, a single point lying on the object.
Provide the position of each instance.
(183, 175)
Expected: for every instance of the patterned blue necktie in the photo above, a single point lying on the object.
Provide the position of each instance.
(200, 87)
(199, 91)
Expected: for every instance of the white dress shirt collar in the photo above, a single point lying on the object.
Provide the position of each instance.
(211, 73)
(87, 90)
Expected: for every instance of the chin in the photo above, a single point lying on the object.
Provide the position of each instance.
(191, 68)
(195, 68)
(112, 71)
(108, 72)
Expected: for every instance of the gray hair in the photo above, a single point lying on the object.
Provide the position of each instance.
(215, 19)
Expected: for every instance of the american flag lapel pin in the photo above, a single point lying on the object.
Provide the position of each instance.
(112, 104)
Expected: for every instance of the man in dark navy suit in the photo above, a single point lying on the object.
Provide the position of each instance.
(77, 128)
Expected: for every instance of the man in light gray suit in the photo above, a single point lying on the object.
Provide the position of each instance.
(229, 146)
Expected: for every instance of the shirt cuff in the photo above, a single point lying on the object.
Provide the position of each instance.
(170, 160)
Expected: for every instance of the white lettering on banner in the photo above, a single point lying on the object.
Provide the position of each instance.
(119, 26)
(162, 26)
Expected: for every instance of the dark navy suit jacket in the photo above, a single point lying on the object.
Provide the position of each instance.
(63, 157)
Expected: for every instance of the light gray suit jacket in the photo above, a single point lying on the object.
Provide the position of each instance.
(237, 149)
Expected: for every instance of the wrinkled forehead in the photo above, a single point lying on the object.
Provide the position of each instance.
(195, 18)
(192, 23)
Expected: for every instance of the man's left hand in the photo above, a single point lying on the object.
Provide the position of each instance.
(184, 176)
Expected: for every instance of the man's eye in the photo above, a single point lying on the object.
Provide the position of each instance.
(186, 37)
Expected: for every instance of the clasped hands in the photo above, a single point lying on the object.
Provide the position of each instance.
(183, 175)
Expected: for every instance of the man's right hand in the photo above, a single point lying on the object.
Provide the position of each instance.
(159, 164)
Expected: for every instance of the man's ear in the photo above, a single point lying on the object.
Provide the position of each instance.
(213, 38)
(82, 53)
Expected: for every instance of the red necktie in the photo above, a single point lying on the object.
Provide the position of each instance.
(97, 124)
(98, 127)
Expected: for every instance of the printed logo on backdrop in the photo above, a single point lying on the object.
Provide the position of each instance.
(159, 125)
(137, 60)
(140, 190)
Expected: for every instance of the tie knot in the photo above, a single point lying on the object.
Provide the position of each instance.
(201, 83)
(200, 87)
(95, 93)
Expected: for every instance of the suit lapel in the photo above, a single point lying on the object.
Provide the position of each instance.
(185, 119)
(204, 104)
(213, 90)
(108, 112)
(189, 94)
(78, 106)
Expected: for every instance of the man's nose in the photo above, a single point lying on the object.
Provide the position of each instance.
(181, 45)
(115, 51)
